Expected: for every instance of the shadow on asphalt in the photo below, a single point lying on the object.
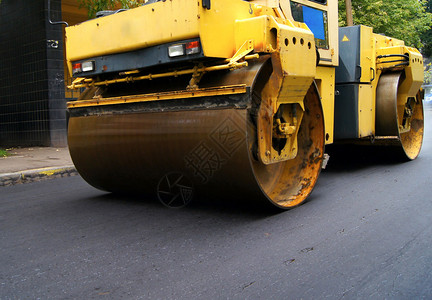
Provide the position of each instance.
(343, 158)
(226, 206)
(356, 157)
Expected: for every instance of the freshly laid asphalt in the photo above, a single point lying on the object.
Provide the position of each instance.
(34, 164)
(365, 233)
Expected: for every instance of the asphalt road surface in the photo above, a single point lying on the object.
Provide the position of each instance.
(365, 233)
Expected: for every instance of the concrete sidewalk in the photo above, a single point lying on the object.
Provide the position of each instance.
(34, 164)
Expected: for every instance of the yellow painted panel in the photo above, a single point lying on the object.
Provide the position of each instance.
(383, 41)
(367, 55)
(268, 3)
(333, 32)
(366, 108)
(325, 80)
(414, 73)
(254, 29)
(137, 28)
(217, 26)
(297, 51)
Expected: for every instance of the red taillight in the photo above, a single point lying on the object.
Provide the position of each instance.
(76, 68)
(192, 47)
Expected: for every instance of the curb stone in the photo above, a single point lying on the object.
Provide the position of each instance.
(8, 179)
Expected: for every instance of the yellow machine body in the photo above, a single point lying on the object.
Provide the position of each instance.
(381, 56)
(176, 20)
(259, 96)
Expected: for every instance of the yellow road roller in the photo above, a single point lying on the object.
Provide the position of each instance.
(233, 99)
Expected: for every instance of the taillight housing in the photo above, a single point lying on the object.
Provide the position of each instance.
(192, 47)
(86, 66)
(76, 68)
(182, 49)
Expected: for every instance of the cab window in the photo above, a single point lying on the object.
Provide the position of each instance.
(315, 19)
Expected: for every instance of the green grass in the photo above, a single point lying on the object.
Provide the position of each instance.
(3, 153)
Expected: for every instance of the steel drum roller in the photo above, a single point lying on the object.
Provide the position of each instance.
(211, 141)
(399, 118)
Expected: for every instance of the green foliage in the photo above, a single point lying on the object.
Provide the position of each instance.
(427, 36)
(3, 153)
(407, 20)
(93, 6)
